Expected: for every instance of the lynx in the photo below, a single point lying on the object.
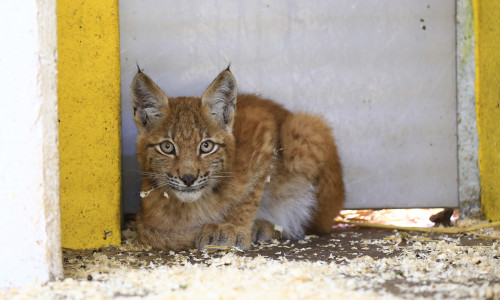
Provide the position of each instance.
(226, 170)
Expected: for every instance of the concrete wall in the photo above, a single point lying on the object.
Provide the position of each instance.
(468, 140)
(29, 199)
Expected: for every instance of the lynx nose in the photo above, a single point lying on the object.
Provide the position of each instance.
(188, 179)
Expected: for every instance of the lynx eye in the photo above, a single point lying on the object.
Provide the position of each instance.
(167, 148)
(207, 147)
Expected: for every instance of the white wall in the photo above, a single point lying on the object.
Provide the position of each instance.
(29, 198)
(382, 72)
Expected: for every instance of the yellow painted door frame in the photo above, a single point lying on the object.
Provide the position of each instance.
(89, 122)
(487, 30)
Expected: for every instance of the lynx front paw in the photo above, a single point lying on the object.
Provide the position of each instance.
(263, 231)
(223, 235)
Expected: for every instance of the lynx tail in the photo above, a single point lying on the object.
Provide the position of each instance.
(309, 150)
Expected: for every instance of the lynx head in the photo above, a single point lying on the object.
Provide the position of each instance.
(185, 145)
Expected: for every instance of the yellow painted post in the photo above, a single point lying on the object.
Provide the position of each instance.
(89, 128)
(487, 29)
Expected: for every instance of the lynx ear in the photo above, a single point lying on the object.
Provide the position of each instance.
(220, 97)
(147, 100)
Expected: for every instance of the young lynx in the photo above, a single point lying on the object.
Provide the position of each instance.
(224, 170)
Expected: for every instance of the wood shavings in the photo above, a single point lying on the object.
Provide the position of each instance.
(311, 236)
(400, 236)
(425, 229)
(223, 248)
(145, 194)
(424, 268)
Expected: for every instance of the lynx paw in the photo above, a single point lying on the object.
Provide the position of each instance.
(223, 235)
(262, 231)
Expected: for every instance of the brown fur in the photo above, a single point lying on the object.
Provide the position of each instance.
(257, 140)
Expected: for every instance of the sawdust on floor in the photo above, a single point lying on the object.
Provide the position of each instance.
(349, 263)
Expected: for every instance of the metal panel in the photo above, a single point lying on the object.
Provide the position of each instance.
(381, 72)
